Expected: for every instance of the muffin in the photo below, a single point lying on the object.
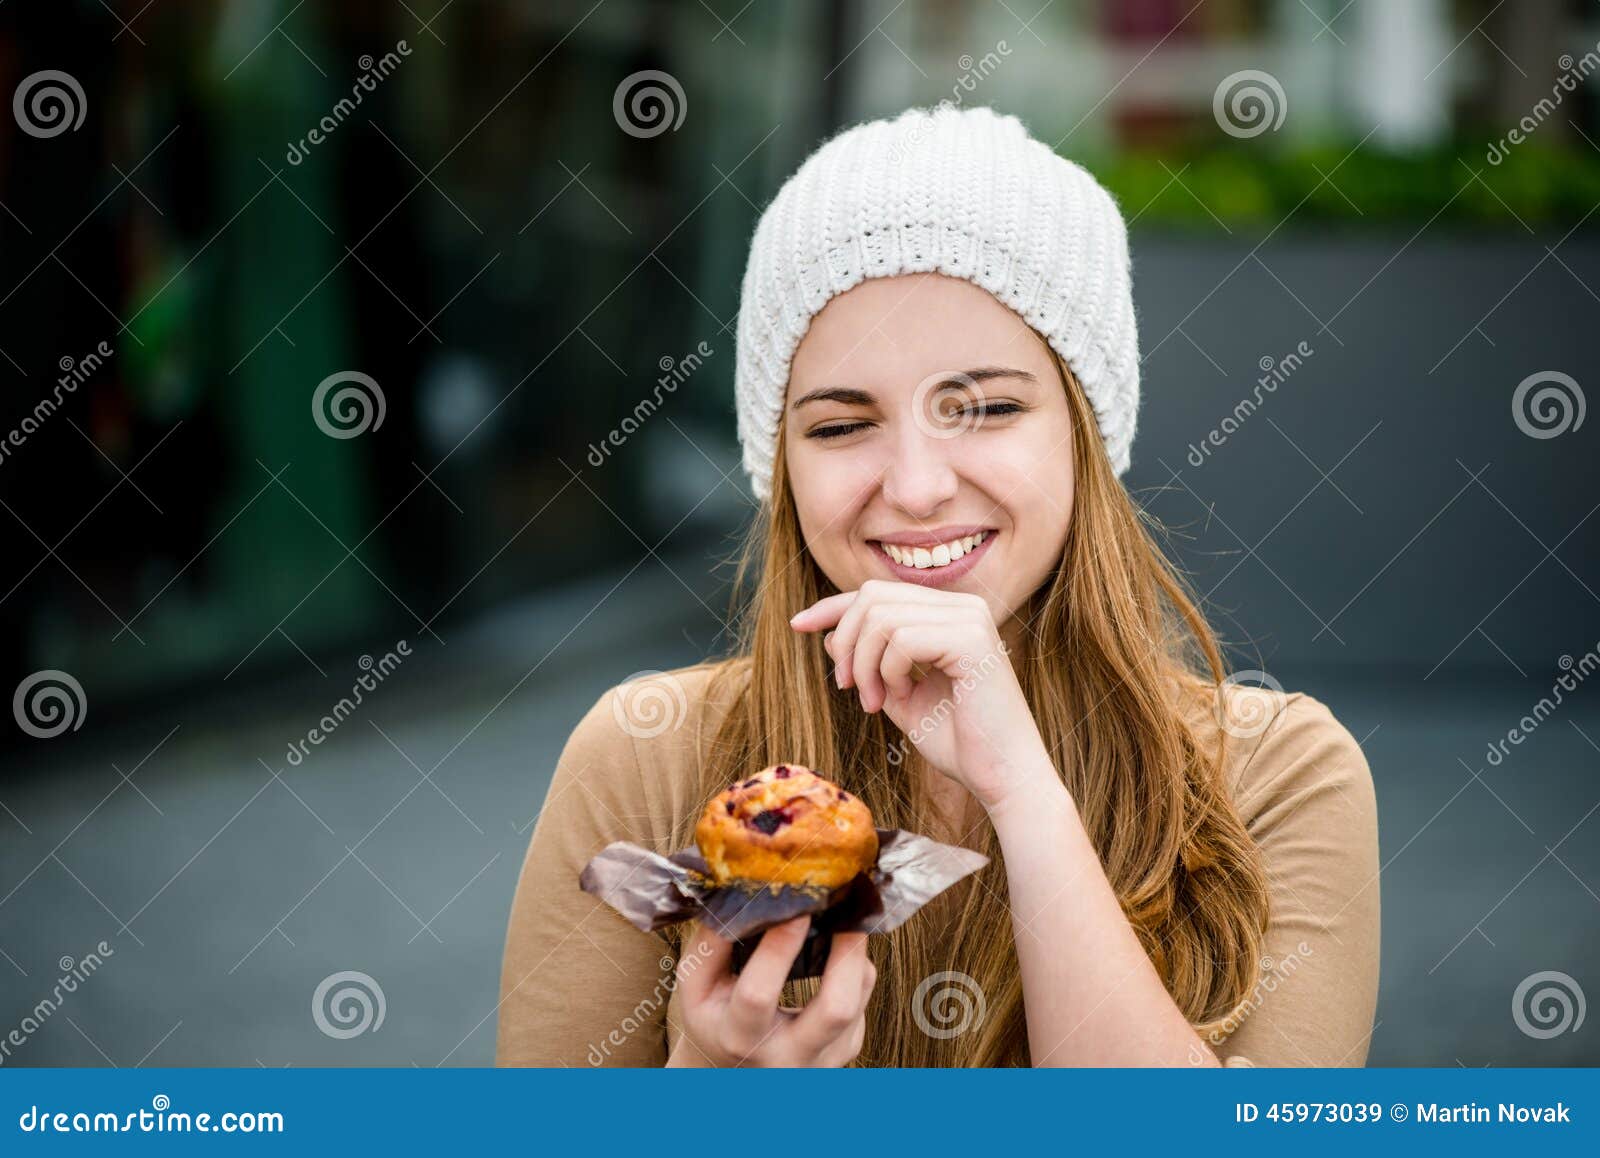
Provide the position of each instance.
(786, 826)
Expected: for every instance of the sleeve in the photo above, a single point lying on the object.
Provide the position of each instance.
(1307, 798)
(579, 985)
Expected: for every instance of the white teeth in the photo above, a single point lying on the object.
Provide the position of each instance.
(940, 556)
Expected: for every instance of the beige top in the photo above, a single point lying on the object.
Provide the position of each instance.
(580, 986)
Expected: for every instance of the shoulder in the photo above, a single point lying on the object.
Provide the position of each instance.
(641, 744)
(655, 713)
(1282, 750)
(1292, 762)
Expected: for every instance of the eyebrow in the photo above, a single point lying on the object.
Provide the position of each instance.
(851, 396)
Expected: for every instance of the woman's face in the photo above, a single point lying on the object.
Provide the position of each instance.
(922, 416)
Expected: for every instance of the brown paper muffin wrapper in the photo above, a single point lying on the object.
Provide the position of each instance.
(652, 891)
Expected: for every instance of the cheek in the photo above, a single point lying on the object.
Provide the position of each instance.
(826, 488)
(1026, 462)
(1032, 478)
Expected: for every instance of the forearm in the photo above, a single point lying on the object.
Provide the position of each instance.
(1091, 994)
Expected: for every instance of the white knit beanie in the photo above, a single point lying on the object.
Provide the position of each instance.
(963, 192)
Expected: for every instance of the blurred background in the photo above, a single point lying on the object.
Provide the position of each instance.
(323, 329)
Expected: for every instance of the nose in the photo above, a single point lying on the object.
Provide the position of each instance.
(919, 476)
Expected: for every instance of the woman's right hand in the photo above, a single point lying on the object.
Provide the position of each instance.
(735, 1020)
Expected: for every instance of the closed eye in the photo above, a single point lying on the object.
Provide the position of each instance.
(985, 410)
(837, 431)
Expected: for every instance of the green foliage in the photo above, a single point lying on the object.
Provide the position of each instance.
(1245, 189)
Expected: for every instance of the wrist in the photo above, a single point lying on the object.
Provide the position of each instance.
(1038, 794)
(683, 1056)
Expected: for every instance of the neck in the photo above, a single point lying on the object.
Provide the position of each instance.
(1014, 634)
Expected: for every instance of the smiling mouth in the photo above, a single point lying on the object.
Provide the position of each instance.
(937, 557)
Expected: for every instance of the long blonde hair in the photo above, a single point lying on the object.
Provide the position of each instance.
(1115, 660)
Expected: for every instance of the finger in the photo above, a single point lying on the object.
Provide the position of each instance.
(876, 631)
(896, 665)
(839, 999)
(911, 645)
(880, 593)
(754, 1001)
(844, 635)
(827, 646)
(845, 1048)
(706, 961)
(823, 613)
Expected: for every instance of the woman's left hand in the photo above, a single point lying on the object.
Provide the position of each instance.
(934, 663)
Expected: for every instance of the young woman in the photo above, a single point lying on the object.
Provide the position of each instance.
(953, 608)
